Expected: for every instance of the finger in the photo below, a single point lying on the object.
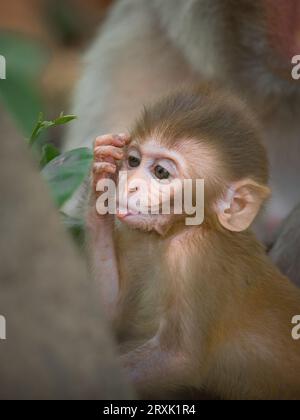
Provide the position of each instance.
(126, 137)
(110, 139)
(104, 167)
(102, 152)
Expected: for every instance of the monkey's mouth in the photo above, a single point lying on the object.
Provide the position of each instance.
(123, 214)
(134, 216)
(126, 211)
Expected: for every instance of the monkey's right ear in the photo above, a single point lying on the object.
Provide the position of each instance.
(238, 209)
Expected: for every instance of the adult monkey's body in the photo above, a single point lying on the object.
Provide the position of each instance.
(148, 47)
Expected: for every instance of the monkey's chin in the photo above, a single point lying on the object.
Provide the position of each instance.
(144, 222)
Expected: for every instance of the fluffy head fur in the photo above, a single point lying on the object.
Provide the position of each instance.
(213, 130)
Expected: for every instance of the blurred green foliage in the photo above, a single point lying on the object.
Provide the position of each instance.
(20, 92)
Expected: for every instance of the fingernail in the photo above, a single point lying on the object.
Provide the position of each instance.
(124, 136)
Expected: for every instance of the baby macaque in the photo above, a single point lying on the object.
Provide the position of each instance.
(194, 305)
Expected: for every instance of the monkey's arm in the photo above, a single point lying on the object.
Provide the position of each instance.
(107, 150)
(103, 259)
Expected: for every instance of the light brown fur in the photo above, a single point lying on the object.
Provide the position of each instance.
(200, 307)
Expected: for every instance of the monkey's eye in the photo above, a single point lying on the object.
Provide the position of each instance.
(161, 173)
(133, 161)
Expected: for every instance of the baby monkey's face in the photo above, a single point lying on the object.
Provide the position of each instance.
(150, 186)
(160, 186)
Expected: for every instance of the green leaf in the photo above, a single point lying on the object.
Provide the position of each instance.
(39, 127)
(49, 152)
(64, 119)
(66, 173)
(43, 125)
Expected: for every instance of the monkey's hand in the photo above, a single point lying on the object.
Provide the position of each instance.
(108, 150)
